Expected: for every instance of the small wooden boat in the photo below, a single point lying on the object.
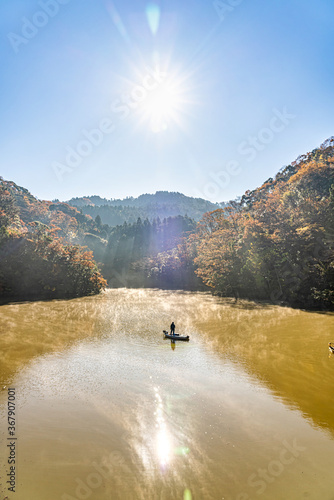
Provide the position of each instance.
(176, 336)
(331, 347)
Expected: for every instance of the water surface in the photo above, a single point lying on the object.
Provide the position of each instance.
(107, 409)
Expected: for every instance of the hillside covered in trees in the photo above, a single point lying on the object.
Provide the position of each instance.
(53, 250)
(40, 248)
(136, 254)
(278, 242)
(162, 204)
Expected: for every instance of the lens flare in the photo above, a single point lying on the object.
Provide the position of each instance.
(117, 20)
(153, 17)
(187, 495)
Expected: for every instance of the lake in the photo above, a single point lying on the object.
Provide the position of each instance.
(106, 408)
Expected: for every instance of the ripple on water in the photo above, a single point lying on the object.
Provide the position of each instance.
(95, 376)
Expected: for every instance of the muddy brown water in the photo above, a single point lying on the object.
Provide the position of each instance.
(108, 409)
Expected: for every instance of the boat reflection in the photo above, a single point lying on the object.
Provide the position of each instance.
(173, 343)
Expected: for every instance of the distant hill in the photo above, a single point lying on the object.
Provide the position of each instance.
(162, 204)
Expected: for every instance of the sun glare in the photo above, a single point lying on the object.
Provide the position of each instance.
(164, 106)
(163, 445)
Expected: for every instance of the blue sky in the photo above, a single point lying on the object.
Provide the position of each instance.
(122, 98)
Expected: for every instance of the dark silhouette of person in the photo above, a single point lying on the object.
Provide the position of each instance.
(172, 329)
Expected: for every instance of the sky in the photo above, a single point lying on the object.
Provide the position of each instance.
(119, 98)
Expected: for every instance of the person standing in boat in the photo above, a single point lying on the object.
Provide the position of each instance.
(172, 329)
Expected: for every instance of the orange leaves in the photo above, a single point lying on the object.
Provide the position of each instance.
(277, 225)
(39, 229)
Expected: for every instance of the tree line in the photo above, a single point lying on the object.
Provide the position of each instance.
(276, 244)
(133, 250)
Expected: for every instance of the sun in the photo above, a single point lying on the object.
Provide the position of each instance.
(164, 106)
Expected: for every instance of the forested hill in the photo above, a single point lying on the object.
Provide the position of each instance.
(278, 243)
(50, 249)
(40, 248)
(29, 211)
(323, 153)
(162, 204)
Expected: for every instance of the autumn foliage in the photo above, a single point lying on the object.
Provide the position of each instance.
(277, 244)
(36, 261)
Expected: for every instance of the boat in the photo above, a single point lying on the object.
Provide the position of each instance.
(331, 347)
(176, 336)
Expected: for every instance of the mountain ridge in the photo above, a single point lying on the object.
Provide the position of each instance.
(161, 204)
(141, 200)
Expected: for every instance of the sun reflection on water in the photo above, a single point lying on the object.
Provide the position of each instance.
(163, 438)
